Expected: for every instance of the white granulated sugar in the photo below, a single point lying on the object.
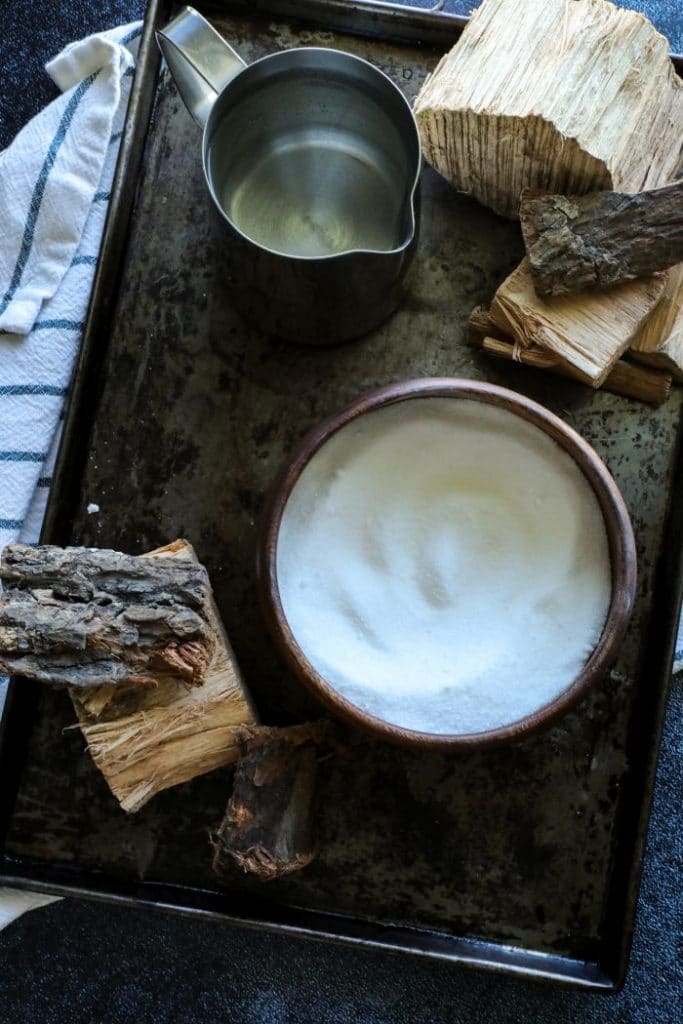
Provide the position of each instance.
(444, 565)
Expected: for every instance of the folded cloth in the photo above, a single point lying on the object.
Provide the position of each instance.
(55, 182)
(14, 903)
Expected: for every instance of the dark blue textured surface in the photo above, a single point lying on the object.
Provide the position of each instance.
(77, 962)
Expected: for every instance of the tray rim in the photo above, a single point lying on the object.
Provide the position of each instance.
(368, 18)
(466, 951)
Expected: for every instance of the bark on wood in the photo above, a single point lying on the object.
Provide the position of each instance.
(85, 617)
(590, 331)
(562, 96)
(646, 385)
(269, 825)
(595, 241)
(145, 739)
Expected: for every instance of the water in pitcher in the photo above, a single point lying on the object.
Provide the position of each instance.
(318, 196)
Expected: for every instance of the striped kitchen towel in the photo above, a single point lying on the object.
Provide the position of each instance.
(55, 181)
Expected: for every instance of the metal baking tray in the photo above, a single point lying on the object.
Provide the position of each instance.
(525, 859)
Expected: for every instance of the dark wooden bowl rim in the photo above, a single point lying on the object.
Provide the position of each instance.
(619, 533)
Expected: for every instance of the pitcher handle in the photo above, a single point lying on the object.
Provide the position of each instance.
(199, 59)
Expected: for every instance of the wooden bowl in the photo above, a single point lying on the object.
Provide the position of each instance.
(619, 534)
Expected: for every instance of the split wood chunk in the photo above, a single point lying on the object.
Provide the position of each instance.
(88, 617)
(269, 824)
(146, 739)
(589, 331)
(565, 96)
(594, 241)
(660, 341)
(646, 385)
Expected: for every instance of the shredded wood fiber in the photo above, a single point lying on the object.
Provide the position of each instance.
(145, 740)
(589, 330)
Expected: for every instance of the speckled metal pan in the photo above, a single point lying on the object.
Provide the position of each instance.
(524, 859)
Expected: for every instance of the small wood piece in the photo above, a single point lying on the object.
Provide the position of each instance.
(565, 96)
(590, 331)
(598, 240)
(85, 617)
(651, 386)
(660, 340)
(146, 739)
(480, 326)
(269, 824)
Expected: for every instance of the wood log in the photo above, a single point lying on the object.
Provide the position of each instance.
(85, 617)
(269, 824)
(651, 386)
(565, 96)
(590, 331)
(595, 241)
(660, 340)
(146, 739)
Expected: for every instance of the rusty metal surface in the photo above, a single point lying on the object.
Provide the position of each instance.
(195, 416)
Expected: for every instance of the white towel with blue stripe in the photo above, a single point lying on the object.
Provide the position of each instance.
(55, 182)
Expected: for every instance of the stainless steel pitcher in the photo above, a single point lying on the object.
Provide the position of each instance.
(312, 159)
